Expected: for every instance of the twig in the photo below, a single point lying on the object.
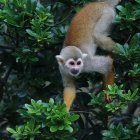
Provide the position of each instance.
(4, 79)
(6, 34)
(5, 76)
(17, 39)
(1, 64)
(81, 112)
(7, 47)
(128, 38)
(96, 132)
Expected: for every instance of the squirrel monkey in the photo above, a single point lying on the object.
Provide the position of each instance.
(89, 29)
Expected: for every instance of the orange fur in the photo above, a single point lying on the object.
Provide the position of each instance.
(108, 80)
(82, 25)
(69, 96)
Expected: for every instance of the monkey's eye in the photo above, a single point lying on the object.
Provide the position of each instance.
(79, 63)
(71, 63)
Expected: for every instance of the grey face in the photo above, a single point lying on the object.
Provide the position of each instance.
(71, 60)
(74, 67)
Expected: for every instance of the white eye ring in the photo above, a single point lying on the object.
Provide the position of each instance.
(79, 62)
(72, 63)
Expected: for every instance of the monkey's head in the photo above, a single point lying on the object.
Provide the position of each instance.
(71, 60)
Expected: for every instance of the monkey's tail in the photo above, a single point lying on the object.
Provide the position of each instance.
(113, 2)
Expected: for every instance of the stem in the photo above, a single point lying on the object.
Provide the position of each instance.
(81, 112)
(4, 79)
(7, 47)
(1, 65)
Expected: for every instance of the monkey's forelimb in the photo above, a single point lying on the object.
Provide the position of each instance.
(102, 30)
(100, 64)
(69, 96)
(69, 90)
(103, 65)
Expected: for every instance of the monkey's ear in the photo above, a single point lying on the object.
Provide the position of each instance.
(84, 55)
(60, 59)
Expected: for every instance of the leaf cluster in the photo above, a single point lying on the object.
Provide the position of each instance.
(123, 132)
(44, 121)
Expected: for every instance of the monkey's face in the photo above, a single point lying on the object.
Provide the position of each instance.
(71, 66)
(71, 60)
(74, 67)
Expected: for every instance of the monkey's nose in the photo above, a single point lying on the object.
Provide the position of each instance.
(74, 71)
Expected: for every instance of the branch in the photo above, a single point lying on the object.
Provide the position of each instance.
(128, 38)
(1, 65)
(85, 112)
(4, 79)
(5, 76)
(6, 34)
(7, 47)
(17, 39)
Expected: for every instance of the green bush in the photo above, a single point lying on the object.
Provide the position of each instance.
(31, 34)
(120, 99)
(44, 121)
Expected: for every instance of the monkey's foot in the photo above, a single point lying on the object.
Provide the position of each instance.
(108, 98)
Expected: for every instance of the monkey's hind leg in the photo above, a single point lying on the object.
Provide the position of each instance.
(102, 29)
(104, 42)
(103, 65)
(108, 79)
(69, 96)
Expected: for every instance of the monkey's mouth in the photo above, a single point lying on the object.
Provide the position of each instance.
(74, 72)
(74, 75)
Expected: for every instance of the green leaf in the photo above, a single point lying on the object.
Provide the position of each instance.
(11, 130)
(31, 33)
(53, 128)
(138, 1)
(135, 41)
(34, 59)
(69, 128)
(51, 101)
(121, 8)
(74, 117)
(61, 127)
(3, 1)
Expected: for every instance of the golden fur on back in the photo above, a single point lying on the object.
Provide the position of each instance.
(83, 23)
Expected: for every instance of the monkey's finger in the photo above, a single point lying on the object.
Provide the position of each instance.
(108, 98)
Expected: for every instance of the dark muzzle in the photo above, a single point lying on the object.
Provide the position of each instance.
(74, 71)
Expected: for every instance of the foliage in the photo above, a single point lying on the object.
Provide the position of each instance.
(113, 110)
(120, 99)
(25, 18)
(123, 132)
(31, 34)
(44, 120)
(129, 15)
